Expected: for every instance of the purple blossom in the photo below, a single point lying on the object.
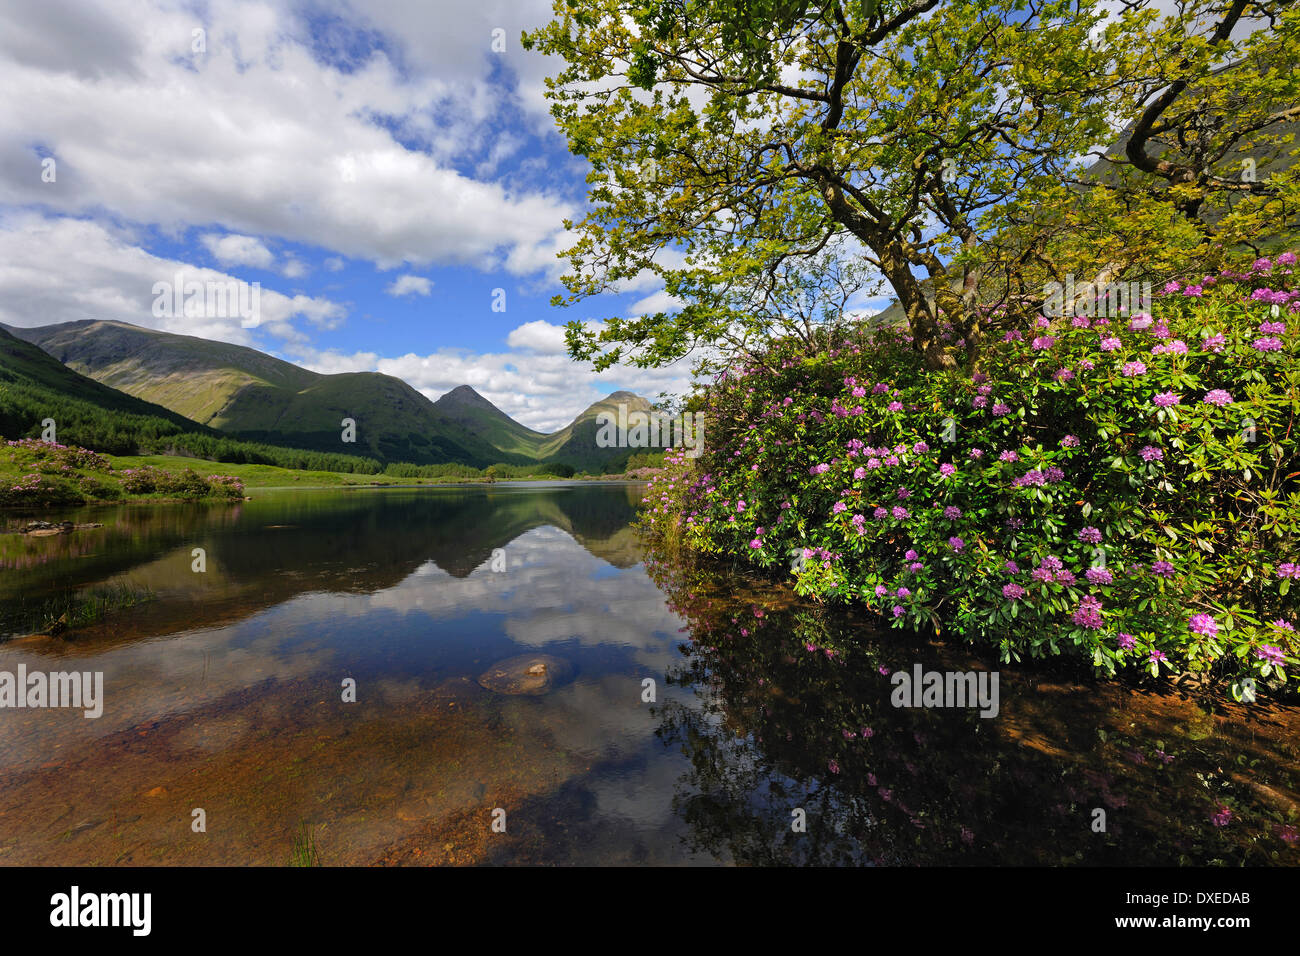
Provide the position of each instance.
(1012, 591)
(952, 512)
(1090, 535)
(956, 543)
(1099, 576)
(1126, 641)
(999, 409)
(1088, 613)
(1132, 369)
(1150, 453)
(1217, 397)
(1269, 654)
(1162, 569)
(1070, 441)
(947, 470)
(1203, 624)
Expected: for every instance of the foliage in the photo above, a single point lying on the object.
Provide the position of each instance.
(1120, 491)
(43, 474)
(734, 143)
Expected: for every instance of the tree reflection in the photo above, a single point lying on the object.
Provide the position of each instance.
(788, 707)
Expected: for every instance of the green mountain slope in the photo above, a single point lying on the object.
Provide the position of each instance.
(257, 397)
(34, 387)
(475, 413)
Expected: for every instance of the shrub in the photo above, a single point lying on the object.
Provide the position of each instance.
(1124, 491)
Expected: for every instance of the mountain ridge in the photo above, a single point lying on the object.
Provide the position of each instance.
(250, 395)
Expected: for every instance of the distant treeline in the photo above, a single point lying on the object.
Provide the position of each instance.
(505, 472)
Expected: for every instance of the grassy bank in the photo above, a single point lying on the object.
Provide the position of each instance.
(41, 474)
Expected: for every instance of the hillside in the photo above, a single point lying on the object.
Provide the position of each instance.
(256, 397)
(34, 386)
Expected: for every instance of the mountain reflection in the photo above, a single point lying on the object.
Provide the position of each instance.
(282, 544)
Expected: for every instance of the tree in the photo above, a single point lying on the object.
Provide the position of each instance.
(732, 142)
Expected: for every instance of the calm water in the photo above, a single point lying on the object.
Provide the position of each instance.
(225, 692)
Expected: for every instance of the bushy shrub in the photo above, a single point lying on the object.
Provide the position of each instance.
(184, 484)
(39, 491)
(62, 458)
(1122, 490)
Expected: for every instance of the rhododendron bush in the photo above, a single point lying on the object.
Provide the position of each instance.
(1117, 488)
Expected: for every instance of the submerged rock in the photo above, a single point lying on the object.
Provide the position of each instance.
(530, 674)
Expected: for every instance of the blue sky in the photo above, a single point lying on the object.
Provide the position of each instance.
(378, 168)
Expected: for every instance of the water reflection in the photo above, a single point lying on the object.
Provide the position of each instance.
(224, 693)
(792, 710)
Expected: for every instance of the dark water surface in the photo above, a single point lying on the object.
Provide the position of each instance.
(225, 693)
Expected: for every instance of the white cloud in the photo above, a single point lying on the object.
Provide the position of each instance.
(65, 270)
(540, 337)
(410, 285)
(334, 263)
(259, 135)
(236, 250)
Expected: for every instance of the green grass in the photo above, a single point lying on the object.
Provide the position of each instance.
(67, 612)
(256, 476)
(305, 851)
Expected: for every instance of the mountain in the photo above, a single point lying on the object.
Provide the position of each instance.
(575, 444)
(476, 414)
(34, 387)
(255, 397)
(22, 363)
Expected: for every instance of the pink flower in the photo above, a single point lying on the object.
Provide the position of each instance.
(1269, 653)
(1134, 368)
(1203, 624)
(1109, 344)
(1217, 397)
(1165, 400)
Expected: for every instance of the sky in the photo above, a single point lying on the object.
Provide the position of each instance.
(386, 171)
